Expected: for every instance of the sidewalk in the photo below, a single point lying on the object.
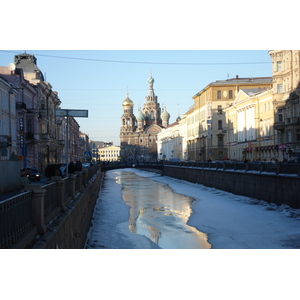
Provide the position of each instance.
(9, 194)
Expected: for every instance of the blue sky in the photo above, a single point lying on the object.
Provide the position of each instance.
(98, 80)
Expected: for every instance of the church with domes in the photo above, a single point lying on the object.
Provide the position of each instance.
(138, 134)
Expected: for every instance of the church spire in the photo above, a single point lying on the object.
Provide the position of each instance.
(151, 96)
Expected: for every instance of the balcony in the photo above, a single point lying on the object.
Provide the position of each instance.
(279, 126)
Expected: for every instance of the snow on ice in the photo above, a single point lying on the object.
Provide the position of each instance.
(230, 221)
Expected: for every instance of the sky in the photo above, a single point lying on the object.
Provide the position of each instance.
(99, 80)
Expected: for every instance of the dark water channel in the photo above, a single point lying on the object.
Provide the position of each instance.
(160, 214)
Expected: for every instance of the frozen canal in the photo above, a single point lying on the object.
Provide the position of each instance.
(143, 210)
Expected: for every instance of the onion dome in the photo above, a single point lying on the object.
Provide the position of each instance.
(128, 102)
(140, 116)
(165, 116)
(178, 119)
(151, 80)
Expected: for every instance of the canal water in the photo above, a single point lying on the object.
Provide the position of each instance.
(155, 212)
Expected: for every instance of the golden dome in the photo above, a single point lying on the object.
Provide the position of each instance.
(127, 102)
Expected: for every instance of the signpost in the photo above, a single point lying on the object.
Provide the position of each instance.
(70, 113)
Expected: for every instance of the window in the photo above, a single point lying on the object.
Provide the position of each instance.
(289, 136)
(298, 135)
(220, 124)
(278, 66)
(220, 111)
(219, 95)
(230, 94)
(279, 88)
(280, 115)
(220, 141)
(29, 125)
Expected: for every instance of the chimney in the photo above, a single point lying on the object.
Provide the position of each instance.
(237, 76)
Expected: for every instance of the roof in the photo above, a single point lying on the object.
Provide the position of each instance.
(238, 80)
(27, 62)
(252, 92)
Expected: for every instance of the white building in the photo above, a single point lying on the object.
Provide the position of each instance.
(111, 153)
(172, 141)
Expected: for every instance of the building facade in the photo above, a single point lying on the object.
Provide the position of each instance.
(20, 119)
(286, 91)
(110, 153)
(138, 134)
(250, 132)
(28, 126)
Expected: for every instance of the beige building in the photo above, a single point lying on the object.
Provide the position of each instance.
(111, 153)
(286, 91)
(206, 121)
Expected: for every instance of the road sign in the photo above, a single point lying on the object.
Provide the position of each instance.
(71, 113)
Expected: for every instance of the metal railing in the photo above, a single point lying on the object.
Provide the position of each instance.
(15, 218)
(261, 167)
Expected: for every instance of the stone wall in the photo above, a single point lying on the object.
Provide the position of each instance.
(271, 188)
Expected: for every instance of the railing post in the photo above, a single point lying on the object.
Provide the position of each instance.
(72, 180)
(84, 177)
(247, 166)
(278, 168)
(79, 176)
(59, 192)
(38, 206)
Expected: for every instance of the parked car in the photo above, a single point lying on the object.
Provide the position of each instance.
(31, 173)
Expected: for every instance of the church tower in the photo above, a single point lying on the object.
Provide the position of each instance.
(128, 121)
(152, 109)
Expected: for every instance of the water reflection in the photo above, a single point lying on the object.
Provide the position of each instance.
(159, 213)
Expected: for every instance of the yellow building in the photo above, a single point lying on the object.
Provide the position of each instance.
(206, 121)
(111, 153)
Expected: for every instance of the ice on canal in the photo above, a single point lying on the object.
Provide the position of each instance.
(133, 212)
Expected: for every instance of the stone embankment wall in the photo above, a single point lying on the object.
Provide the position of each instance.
(278, 189)
(69, 229)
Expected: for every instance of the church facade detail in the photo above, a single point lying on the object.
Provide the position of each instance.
(138, 134)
